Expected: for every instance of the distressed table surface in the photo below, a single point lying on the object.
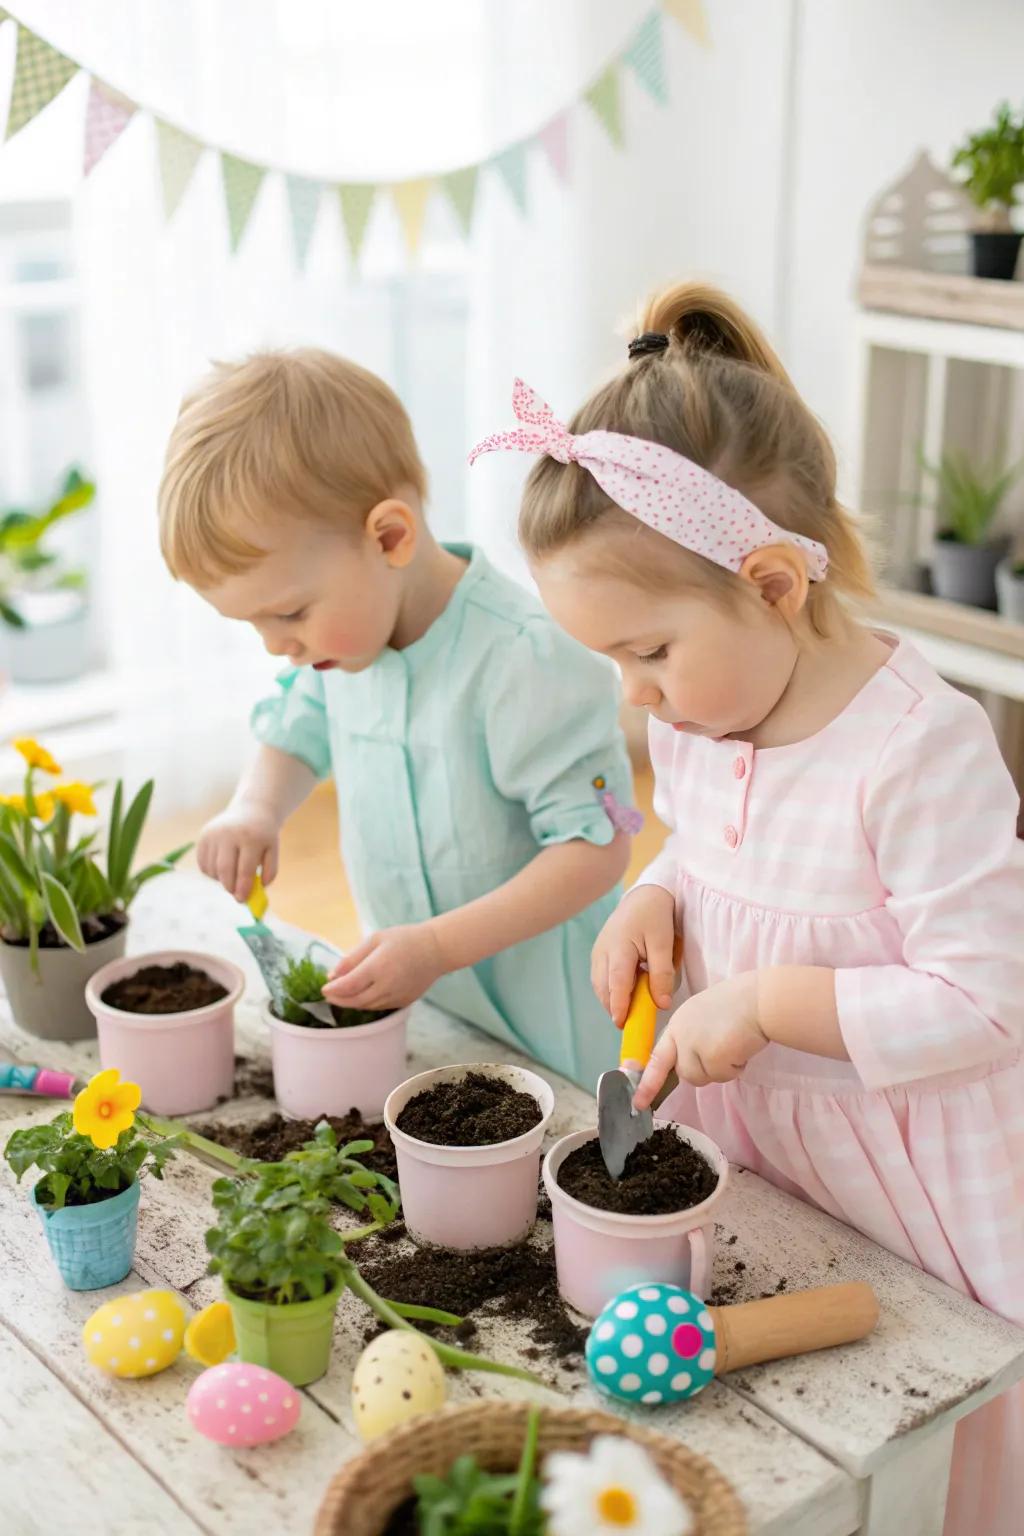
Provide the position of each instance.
(810, 1444)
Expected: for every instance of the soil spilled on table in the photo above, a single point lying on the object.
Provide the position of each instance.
(475, 1111)
(268, 1140)
(155, 989)
(661, 1175)
(403, 1522)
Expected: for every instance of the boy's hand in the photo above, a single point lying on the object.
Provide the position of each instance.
(642, 927)
(390, 969)
(237, 843)
(709, 1039)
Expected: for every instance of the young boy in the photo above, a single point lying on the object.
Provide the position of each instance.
(463, 728)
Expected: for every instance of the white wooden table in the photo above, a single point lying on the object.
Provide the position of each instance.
(857, 1439)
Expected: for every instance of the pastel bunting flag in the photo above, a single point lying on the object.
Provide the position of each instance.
(604, 97)
(242, 182)
(411, 199)
(40, 74)
(107, 115)
(691, 17)
(554, 140)
(511, 167)
(303, 207)
(645, 56)
(460, 187)
(178, 155)
(356, 199)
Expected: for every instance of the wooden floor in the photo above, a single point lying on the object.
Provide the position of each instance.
(311, 889)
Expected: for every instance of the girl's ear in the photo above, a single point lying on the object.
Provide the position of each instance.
(392, 526)
(779, 573)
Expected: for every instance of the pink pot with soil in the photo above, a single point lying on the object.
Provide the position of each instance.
(599, 1253)
(323, 1071)
(467, 1197)
(184, 1060)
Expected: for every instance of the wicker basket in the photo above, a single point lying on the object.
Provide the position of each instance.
(362, 1498)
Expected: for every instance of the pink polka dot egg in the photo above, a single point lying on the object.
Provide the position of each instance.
(239, 1404)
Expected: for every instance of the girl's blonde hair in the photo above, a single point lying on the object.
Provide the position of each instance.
(719, 396)
(301, 433)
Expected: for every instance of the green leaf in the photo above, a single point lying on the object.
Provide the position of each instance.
(114, 831)
(11, 615)
(62, 912)
(119, 866)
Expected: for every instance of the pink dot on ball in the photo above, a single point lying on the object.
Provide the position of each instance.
(687, 1340)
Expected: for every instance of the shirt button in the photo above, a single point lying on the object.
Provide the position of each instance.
(739, 768)
(732, 837)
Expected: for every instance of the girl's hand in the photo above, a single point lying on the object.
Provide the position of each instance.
(234, 845)
(709, 1039)
(388, 970)
(642, 927)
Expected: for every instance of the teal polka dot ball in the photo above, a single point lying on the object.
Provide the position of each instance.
(653, 1344)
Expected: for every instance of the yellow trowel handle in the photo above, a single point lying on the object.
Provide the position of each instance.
(638, 1030)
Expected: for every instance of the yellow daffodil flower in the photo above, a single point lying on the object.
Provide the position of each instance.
(45, 805)
(76, 796)
(35, 755)
(106, 1107)
(16, 802)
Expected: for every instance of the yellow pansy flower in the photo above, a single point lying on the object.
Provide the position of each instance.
(106, 1107)
(76, 796)
(35, 755)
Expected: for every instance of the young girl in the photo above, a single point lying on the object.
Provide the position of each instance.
(842, 863)
(464, 729)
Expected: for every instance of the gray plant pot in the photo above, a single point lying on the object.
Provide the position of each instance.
(51, 1003)
(966, 573)
(53, 647)
(1010, 591)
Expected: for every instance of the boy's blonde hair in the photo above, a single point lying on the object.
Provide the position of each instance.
(717, 395)
(301, 434)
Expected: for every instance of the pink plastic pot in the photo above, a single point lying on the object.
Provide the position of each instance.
(183, 1062)
(599, 1254)
(469, 1197)
(331, 1071)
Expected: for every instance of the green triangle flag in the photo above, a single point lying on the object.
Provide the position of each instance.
(303, 205)
(178, 154)
(242, 180)
(356, 206)
(511, 167)
(461, 189)
(646, 57)
(603, 96)
(40, 74)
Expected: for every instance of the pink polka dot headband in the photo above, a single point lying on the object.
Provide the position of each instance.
(663, 489)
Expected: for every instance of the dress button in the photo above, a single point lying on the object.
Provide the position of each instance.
(732, 837)
(739, 768)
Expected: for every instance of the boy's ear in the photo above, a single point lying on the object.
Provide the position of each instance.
(392, 526)
(779, 572)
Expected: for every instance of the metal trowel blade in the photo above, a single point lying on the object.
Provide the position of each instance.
(620, 1127)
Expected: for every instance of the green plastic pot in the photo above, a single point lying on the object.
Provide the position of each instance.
(294, 1340)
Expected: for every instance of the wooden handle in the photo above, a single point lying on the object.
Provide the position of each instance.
(792, 1325)
(641, 1020)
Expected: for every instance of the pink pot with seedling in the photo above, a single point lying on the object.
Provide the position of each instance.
(469, 1197)
(599, 1254)
(183, 1062)
(332, 1071)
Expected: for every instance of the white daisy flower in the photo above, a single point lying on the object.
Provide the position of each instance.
(613, 1490)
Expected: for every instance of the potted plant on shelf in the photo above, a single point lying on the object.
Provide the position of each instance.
(1010, 588)
(43, 609)
(964, 555)
(992, 166)
(325, 1068)
(61, 916)
(88, 1196)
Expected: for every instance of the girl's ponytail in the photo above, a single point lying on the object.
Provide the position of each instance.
(702, 321)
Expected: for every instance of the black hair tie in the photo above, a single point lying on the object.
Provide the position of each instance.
(650, 341)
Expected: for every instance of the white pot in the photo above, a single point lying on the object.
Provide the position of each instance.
(54, 645)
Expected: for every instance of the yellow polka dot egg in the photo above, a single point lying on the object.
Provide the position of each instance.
(135, 1335)
(396, 1378)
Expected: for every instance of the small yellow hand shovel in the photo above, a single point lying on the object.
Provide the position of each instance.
(620, 1127)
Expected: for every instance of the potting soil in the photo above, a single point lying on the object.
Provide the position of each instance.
(474, 1111)
(662, 1175)
(269, 1139)
(177, 988)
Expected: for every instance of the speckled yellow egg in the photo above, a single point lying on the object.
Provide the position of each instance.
(135, 1335)
(397, 1377)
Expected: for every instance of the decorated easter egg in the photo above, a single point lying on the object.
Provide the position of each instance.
(239, 1404)
(210, 1336)
(397, 1377)
(653, 1344)
(135, 1335)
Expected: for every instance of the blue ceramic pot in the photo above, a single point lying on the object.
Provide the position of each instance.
(93, 1245)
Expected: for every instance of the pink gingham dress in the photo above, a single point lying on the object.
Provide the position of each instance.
(884, 847)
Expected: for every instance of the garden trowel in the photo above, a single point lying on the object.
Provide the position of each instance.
(273, 956)
(620, 1127)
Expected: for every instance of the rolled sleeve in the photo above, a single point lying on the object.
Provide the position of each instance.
(940, 813)
(294, 719)
(552, 728)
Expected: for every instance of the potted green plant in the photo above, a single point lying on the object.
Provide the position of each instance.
(62, 917)
(88, 1196)
(43, 609)
(964, 555)
(992, 166)
(1010, 588)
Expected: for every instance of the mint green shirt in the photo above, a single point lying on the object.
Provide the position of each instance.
(456, 760)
